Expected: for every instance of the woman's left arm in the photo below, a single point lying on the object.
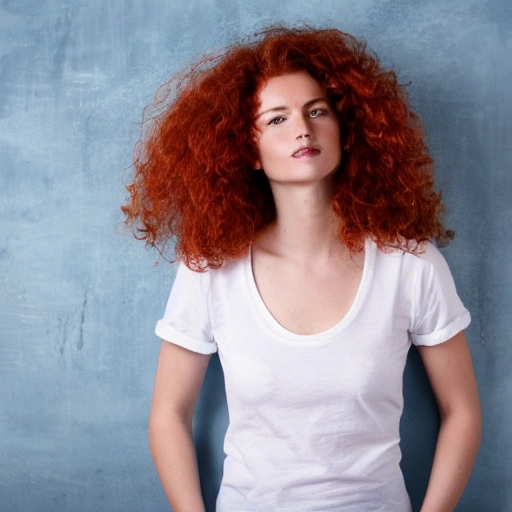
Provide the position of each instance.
(450, 370)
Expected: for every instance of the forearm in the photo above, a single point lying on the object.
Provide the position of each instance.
(456, 449)
(173, 452)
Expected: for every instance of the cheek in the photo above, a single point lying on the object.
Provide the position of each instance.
(267, 148)
(335, 138)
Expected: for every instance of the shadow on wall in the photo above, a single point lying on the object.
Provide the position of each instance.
(210, 423)
(418, 428)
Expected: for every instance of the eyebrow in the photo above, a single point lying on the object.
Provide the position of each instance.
(283, 107)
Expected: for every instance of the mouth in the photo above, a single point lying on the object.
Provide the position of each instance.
(305, 151)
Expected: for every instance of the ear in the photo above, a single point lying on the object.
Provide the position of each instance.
(257, 165)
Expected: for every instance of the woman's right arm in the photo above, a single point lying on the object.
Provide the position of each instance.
(178, 380)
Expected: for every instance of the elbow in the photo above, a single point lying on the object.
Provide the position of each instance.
(152, 434)
(478, 430)
(163, 425)
(474, 432)
(467, 422)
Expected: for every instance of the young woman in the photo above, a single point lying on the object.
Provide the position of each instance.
(297, 187)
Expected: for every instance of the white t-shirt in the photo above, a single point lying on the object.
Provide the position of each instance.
(314, 419)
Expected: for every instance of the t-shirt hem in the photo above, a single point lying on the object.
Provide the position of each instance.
(170, 334)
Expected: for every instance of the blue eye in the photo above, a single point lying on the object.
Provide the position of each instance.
(276, 120)
(317, 112)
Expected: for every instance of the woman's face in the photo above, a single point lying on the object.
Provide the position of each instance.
(298, 132)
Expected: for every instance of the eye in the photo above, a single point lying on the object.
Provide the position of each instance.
(317, 112)
(276, 120)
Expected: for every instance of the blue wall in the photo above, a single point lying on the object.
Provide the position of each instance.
(79, 298)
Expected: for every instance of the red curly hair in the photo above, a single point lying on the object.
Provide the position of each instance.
(194, 181)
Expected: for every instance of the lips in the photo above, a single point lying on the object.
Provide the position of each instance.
(305, 151)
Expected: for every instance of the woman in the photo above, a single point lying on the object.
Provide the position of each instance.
(298, 189)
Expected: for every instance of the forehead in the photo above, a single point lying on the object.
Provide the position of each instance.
(289, 88)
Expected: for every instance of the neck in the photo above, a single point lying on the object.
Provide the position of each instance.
(305, 227)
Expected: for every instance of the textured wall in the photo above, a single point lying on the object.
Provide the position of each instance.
(79, 299)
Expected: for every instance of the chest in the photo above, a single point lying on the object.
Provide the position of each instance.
(359, 355)
(308, 300)
(300, 379)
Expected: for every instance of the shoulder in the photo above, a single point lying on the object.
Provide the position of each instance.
(430, 261)
(420, 270)
(201, 271)
(429, 253)
(425, 255)
(230, 271)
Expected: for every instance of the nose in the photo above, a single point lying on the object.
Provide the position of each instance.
(303, 129)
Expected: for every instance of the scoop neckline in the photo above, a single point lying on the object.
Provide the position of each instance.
(341, 325)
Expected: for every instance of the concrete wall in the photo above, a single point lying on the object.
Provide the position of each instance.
(79, 299)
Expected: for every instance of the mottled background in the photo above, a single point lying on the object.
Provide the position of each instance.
(79, 298)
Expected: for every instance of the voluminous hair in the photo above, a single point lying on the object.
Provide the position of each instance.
(195, 183)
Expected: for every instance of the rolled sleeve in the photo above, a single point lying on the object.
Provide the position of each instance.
(438, 312)
(186, 320)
